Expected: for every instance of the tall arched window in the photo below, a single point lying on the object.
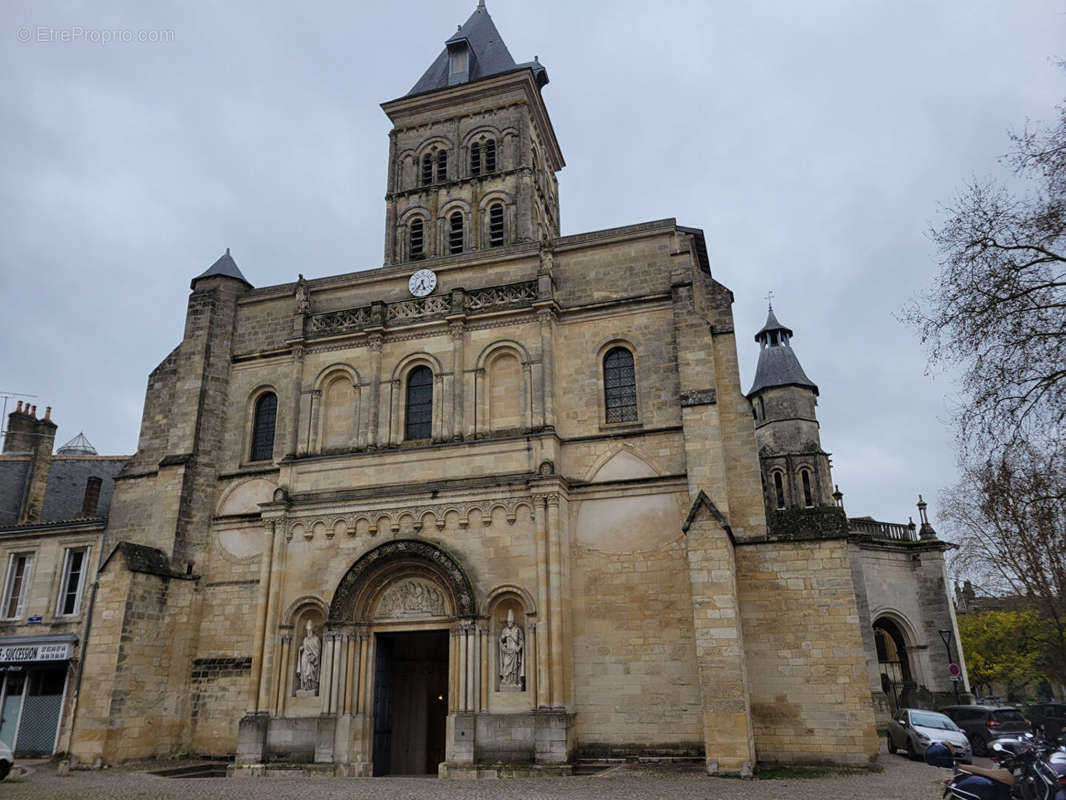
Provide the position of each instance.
(418, 419)
(490, 155)
(266, 414)
(808, 496)
(496, 225)
(455, 232)
(416, 240)
(442, 166)
(427, 169)
(475, 158)
(779, 490)
(619, 386)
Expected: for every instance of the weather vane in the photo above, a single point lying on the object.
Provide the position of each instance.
(770, 297)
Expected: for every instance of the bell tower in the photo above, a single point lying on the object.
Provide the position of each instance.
(472, 152)
(795, 468)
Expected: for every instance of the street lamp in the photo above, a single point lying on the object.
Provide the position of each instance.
(945, 637)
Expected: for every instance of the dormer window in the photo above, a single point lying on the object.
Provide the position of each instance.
(458, 62)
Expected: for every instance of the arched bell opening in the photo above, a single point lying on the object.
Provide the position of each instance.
(410, 608)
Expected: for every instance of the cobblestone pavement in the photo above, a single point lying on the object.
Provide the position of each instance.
(900, 780)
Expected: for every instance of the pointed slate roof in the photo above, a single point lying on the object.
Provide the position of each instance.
(778, 365)
(78, 446)
(226, 267)
(487, 53)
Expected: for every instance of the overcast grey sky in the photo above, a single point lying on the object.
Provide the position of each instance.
(813, 142)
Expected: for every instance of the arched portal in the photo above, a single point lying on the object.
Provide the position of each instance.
(892, 662)
(412, 608)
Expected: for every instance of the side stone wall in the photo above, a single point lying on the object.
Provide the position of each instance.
(810, 698)
(635, 684)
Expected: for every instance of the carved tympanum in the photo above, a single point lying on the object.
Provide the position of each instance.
(411, 598)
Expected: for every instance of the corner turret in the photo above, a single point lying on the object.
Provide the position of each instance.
(795, 468)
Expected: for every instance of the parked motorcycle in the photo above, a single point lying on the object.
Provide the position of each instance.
(1024, 772)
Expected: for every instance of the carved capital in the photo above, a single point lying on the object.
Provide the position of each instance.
(374, 341)
(457, 329)
(545, 316)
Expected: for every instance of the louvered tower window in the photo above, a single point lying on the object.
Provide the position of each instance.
(442, 166)
(266, 412)
(495, 225)
(455, 233)
(490, 155)
(427, 169)
(805, 479)
(416, 240)
(620, 386)
(475, 158)
(418, 420)
(779, 490)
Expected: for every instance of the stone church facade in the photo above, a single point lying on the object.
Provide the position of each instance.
(499, 504)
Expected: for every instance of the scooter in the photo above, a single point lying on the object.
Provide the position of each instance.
(1023, 773)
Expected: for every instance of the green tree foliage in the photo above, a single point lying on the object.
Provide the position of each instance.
(1002, 647)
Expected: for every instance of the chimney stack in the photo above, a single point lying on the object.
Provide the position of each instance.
(43, 437)
(21, 430)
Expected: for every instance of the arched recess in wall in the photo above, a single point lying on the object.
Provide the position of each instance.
(414, 234)
(510, 612)
(306, 620)
(362, 592)
(503, 392)
(893, 642)
(337, 422)
(496, 216)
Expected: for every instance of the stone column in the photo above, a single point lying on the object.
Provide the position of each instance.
(296, 381)
(555, 590)
(283, 673)
(545, 316)
(325, 675)
(350, 673)
(374, 342)
(266, 564)
(361, 698)
(463, 678)
(543, 696)
(458, 332)
(273, 613)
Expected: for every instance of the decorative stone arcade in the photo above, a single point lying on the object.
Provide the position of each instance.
(405, 674)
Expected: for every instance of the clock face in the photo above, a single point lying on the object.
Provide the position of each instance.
(422, 282)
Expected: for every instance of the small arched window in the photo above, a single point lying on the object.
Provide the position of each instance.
(266, 413)
(779, 490)
(475, 158)
(619, 386)
(418, 419)
(808, 496)
(455, 232)
(490, 155)
(442, 166)
(496, 225)
(416, 239)
(427, 169)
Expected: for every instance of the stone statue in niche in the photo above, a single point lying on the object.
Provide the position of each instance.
(411, 598)
(308, 663)
(512, 656)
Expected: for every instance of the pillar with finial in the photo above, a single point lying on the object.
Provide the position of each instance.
(926, 530)
(838, 496)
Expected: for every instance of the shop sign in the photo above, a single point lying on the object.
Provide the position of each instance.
(35, 652)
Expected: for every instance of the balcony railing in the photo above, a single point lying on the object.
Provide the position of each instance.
(894, 531)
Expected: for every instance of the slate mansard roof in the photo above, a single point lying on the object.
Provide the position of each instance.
(488, 55)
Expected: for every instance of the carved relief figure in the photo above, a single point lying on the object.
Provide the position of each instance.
(512, 656)
(308, 662)
(411, 598)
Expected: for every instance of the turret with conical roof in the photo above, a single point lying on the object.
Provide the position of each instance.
(472, 155)
(795, 468)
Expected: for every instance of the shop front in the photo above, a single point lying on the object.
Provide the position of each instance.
(35, 675)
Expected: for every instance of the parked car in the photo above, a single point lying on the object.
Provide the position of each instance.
(1048, 718)
(914, 729)
(6, 760)
(984, 724)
